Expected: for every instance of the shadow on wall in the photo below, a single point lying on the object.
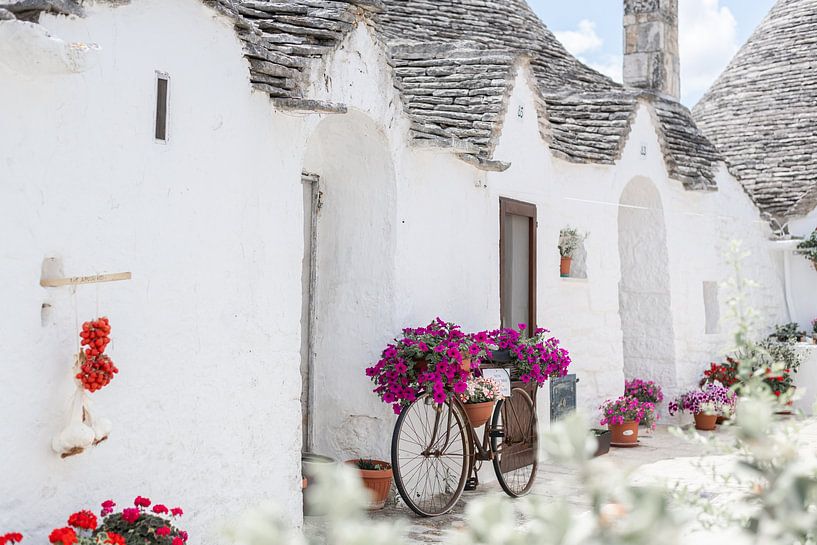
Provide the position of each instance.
(351, 294)
(644, 288)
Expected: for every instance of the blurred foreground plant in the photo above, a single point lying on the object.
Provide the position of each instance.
(775, 503)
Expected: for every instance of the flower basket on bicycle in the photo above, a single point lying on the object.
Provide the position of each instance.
(436, 450)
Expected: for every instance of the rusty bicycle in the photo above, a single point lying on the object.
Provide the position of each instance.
(437, 452)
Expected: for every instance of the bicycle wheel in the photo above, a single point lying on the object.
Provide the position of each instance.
(515, 443)
(429, 456)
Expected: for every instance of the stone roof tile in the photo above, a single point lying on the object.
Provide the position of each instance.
(761, 113)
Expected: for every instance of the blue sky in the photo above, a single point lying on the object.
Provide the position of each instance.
(711, 31)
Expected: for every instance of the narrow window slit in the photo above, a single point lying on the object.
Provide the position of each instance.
(162, 82)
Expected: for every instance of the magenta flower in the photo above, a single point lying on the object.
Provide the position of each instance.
(141, 502)
(176, 512)
(160, 509)
(164, 531)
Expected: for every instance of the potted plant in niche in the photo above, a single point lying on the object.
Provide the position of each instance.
(376, 476)
(645, 391)
(478, 399)
(706, 405)
(570, 239)
(808, 249)
(622, 416)
(724, 374)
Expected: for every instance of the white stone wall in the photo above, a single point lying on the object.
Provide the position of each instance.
(205, 408)
(207, 334)
(803, 275)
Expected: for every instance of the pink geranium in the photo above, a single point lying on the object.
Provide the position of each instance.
(130, 515)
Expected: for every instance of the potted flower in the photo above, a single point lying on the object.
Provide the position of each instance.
(808, 248)
(478, 399)
(436, 360)
(142, 523)
(376, 476)
(570, 239)
(645, 391)
(706, 405)
(622, 416)
(534, 357)
(725, 374)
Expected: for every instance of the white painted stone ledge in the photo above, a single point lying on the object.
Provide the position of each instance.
(29, 49)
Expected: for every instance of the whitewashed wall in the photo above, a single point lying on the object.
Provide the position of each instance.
(803, 275)
(205, 407)
(207, 334)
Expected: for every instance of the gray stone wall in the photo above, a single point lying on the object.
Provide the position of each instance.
(651, 59)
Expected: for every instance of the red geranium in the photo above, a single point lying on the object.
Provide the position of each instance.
(66, 536)
(112, 538)
(84, 520)
(12, 537)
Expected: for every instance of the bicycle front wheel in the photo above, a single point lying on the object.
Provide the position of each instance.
(429, 454)
(515, 443)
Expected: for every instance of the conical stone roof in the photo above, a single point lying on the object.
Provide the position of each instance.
(761, 113)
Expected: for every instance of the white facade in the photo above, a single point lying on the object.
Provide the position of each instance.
(207, 335)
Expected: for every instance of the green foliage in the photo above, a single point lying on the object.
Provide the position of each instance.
(808, 248)
(787, 332)
(141, 532)
(569, 241)
(372, 465)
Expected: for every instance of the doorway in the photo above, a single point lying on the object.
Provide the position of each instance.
(644, 288)
(517, 263)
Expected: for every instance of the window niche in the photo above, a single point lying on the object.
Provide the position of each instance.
(712, 308)
(573, 253)
(160, 130)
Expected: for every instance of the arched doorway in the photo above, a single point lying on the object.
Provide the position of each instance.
(348, 280)
(644, 288)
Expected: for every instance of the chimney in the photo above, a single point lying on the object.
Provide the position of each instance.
(651, 46)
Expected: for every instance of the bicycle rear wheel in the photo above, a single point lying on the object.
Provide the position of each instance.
(515, 443)
(430, 454)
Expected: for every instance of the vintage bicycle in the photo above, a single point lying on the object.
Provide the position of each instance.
(436, 451)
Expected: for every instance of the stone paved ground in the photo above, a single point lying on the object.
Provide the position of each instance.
(661, 456)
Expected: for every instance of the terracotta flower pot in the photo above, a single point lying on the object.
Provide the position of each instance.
(479, 413)
(564, 266)
(624, 434)
(466, 364)
(378, 481)
(706, 422)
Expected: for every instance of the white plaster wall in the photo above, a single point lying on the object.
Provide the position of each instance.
(208, 332)
(803, 275)
(205, 408)
(354, 293)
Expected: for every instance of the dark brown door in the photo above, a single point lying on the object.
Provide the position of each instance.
(517, 262)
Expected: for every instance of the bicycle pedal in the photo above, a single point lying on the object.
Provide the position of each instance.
(471, 484)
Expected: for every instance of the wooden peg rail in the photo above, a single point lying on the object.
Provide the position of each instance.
(76, 280)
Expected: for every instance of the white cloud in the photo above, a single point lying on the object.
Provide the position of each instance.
(708, 41)
(586, 40)
(582, 40)
(610, 65)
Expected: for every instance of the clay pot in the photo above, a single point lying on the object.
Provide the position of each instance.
(479, 413)
(706, 422)
(564, 266)
(378, 481)
(310, 464)
(624, 434)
